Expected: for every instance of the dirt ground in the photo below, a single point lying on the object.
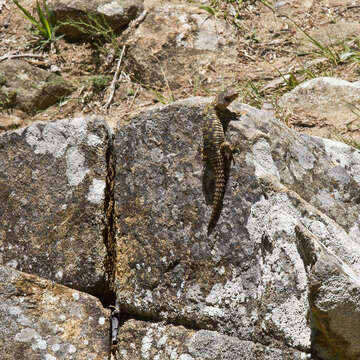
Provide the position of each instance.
(272, 48)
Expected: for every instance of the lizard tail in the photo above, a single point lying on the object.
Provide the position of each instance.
(218, 195)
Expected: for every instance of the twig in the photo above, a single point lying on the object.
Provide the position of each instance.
(167, 84)
(135, 23)
(11, 56)
(133, 99)
(114, 80)
(138, 20)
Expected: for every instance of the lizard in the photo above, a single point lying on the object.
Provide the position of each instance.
(217, 152)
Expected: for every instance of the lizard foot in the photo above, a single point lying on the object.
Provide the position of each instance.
(228, 151)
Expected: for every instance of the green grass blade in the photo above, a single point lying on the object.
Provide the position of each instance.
(209, 9)
(50, 15)
(28, 15)
(46, 31)
(51, 20)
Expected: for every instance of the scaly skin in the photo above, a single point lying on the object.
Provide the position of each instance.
(216, 149)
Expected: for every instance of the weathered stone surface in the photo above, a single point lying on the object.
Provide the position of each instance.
(248, 279)
(292, 7)
(53, 186)
(334, 300)
(145, 340)
(117, 13)
(29, 88)
(178, 42)
(10, 122)
(40, 319)
(331, 33)
(328, 100)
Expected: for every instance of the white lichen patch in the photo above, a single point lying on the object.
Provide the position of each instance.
(59, 275)
(282, 267)
(15, 310)
(148, 297)
(101, 320)
(214, 312)
(326, 199)
(305, 157)
(76, 311)
(49, 357)
(96, 192)
(226, 301)
(162, 340)
(354, 232)
(26, 335)
(146, 344)
(12, 263)
(75, 166)
(75, 295)
(273, 272)
(339, 174)
(262, 159)
(230, 293)
(93, 140)
(76, 129)
(172, 352)
(39, 344)
(276, 211)
(157, 155)
(50, 140)
(29, 335)
(55, 347)
(185, 357)
(194, 293)
(63, 138)
(71, 349)
(345, 155)
(290, 319)
(111, 9)
(24, 320)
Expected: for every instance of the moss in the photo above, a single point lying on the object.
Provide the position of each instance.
(2, 80)
(56, 87)
(99, 82)
(7, 98)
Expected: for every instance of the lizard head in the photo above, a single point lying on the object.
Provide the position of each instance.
(224, 99)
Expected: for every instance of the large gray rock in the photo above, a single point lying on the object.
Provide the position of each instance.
(146, 340)
(176, 43)
(40, 319)
(117, 13)
(248, 279)
(335, 295)
(330, 105)
(53, 201)
(29, 88)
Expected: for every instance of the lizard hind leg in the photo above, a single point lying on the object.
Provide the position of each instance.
(228, 150)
